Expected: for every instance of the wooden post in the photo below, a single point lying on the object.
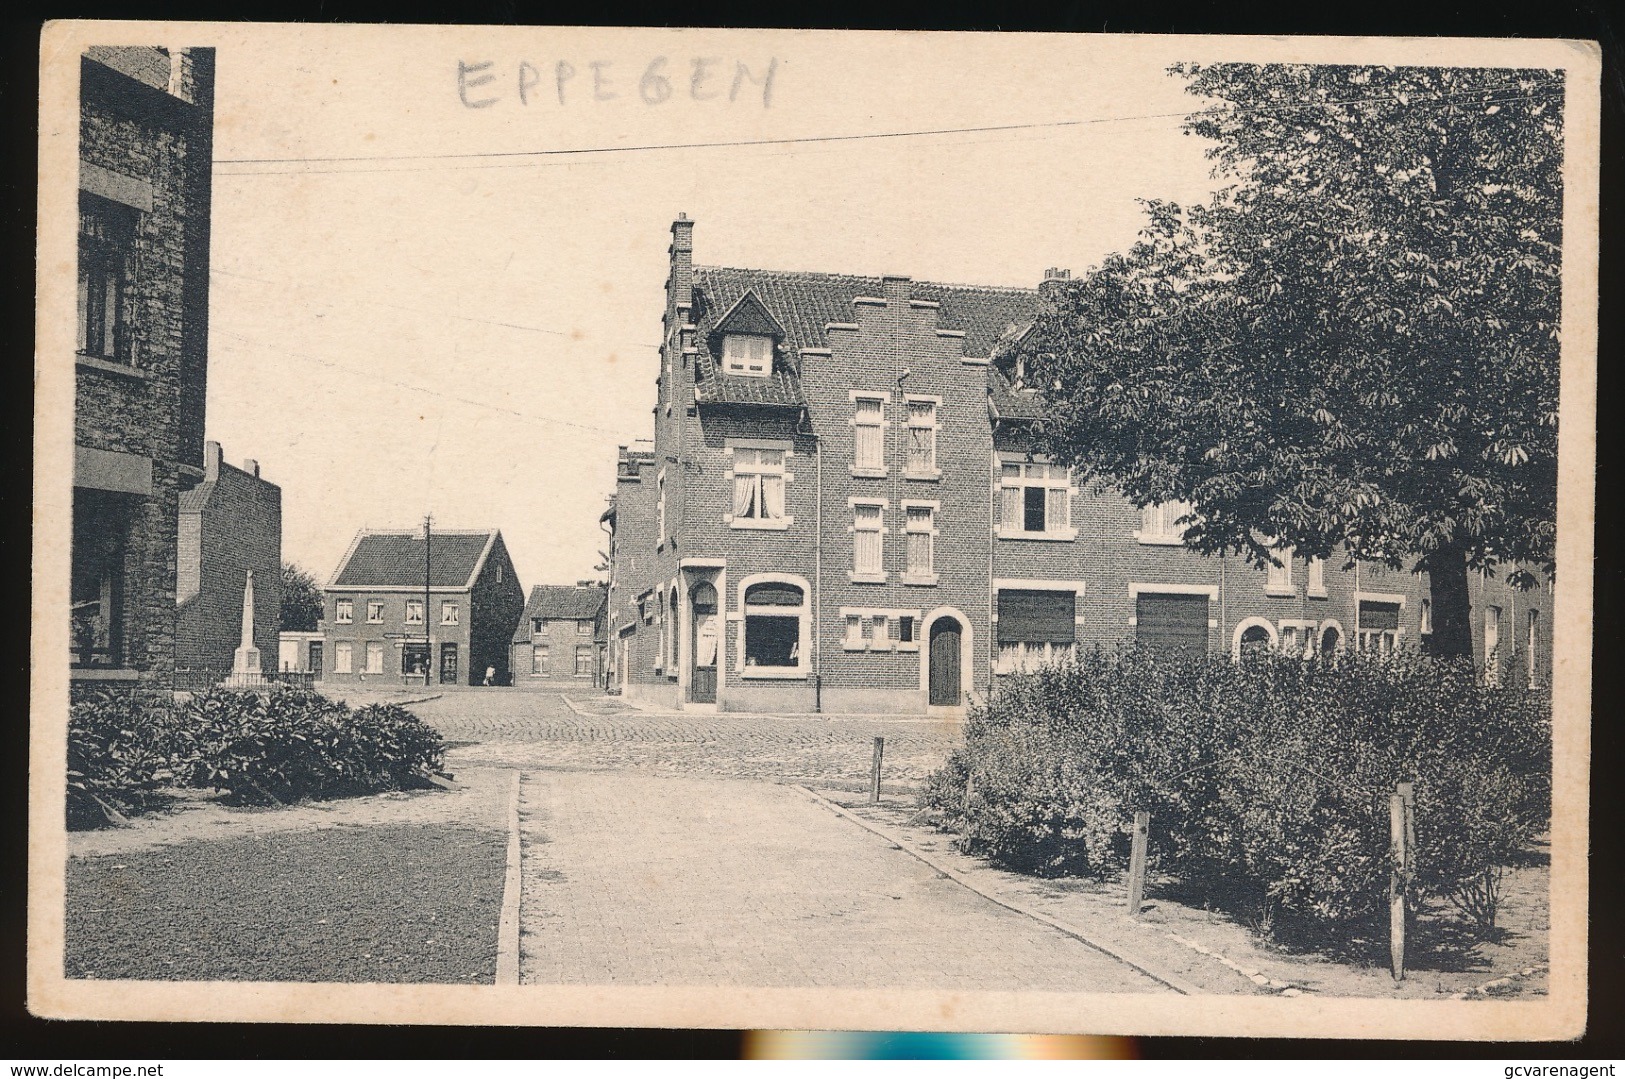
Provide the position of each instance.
(874, 775)
(1398, 883)
(1136, 862)
(970, 792)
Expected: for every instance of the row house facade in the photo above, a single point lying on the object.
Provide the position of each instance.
(839, 512)
(402, 611)
(146, 131)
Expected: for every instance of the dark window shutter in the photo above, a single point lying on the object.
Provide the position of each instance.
(1379, 615)
(1034, 615)
(1171, 620)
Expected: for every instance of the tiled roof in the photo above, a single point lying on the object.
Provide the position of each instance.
(194, 500)
(1009, 403)
(560, 601)
(396, 560)
(806, 302)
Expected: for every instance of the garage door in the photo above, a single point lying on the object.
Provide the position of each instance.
(1172, 621)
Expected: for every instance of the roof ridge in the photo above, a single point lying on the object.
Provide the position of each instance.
(966, 286)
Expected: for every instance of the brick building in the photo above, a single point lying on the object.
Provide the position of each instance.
(145, 154)
(374, 616)
(560, 637)
(839, 512)
(230, 523)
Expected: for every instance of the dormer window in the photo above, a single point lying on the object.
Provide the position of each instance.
(747, 354)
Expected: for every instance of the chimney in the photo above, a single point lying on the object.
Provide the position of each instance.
(680, 285)
(894, 288)
(252, 467)
(212, 456)
(1055, 279)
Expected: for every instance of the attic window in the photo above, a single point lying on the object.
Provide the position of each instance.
(747, 354)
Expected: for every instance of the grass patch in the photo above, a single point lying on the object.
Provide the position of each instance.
(402, 903)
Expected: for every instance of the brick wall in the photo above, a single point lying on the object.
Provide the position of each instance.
(495, 605)
(237, 528)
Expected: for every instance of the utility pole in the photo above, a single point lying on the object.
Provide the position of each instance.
(428, 649)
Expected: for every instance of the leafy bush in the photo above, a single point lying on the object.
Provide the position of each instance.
(1267, 780)
(118, 752)
(255, 747)
(291, 744)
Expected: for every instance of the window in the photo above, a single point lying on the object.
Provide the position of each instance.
(1425, 626)
(584, 627)
(583, 661)
(758, 488)
(869, 435)
(448, 612)
(922, 438)
(1035, 501)
(344, 611)
(921, 529)
(1159, 522)
(1317, 578)
(877, 630)
(539, 625)
(414, 612)
(1278, 579)
(1492, 644)
(1172, 621)
(106, 272)
(101, 533)
(907, 630)
(660, 512)
(1036, 627)
(343, 657)
(868, 541)
(375, 611)
(774, 620)
(415, 659)
(538, 659)
(747, 354)
(1378, 628)
(1531, 647)
(375, 657)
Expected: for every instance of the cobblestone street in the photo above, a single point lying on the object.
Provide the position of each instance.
(671, 849)
(538, 729)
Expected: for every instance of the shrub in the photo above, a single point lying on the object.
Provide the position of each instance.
(291, 744)
(1267, 780)
(118, 752)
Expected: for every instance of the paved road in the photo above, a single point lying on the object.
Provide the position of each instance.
(537, 729)
(670, 850)
(646, 880)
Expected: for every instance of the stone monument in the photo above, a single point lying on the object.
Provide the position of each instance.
(245, 662)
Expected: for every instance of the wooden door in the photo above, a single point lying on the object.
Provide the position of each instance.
(944, 675)
(316, 660)
(702, 675)
(448, 664)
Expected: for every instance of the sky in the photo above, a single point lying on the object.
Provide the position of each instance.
(398, 330)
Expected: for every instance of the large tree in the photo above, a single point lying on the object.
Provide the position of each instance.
(301, 599)
(1353, 347)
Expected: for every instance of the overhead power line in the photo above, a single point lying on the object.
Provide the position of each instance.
(1481, 95)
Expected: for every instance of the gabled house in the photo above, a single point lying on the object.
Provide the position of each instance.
(560, 637)
(404, 611)
(840, 511)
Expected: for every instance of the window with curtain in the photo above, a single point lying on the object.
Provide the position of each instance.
(375, 657)
(343, 657)
(747, 354)
(1279, 578)
(375, 611)
(344, 611)
(922, 437)
(1159, 522)
(869, 434)
(1035, 500)
(758, 486)
(1317, 577)
(868, 540)
(1036, 627)
(921, 529)
(414, 612)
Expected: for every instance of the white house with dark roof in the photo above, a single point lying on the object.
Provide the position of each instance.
(403, 610)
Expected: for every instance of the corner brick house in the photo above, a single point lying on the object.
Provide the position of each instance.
(374, 616)
(839, 512)
(230, 524)
(560, 637)
(145, 153)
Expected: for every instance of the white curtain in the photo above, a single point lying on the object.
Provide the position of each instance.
(1010, 507)
(745, 495)
(773, 497)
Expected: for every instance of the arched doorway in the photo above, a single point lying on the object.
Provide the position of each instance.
(1331, 640)
(945, 680)
(702, 675)
(1252, 636)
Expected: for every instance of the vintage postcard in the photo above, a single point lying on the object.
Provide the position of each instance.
(813, 530)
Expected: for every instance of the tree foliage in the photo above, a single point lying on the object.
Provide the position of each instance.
(301, 599)
(1354, 344)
